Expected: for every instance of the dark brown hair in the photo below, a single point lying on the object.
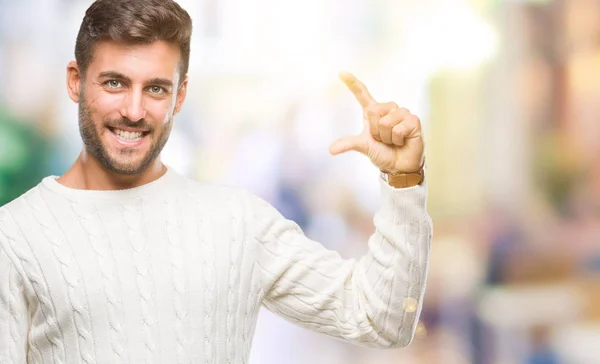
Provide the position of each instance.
(133, 22)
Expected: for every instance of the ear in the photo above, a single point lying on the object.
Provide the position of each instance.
(181, 93)
(74, 83)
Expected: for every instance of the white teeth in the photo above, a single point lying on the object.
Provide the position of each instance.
(128, 136)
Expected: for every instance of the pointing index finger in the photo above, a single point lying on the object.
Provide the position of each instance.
(358, 88)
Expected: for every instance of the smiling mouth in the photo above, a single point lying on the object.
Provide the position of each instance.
(129, 136)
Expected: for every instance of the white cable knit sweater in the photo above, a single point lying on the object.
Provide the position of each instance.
(175, 271)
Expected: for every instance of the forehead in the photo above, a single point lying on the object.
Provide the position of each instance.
(138, 61)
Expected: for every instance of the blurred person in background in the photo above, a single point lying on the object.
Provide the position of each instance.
(121, 259)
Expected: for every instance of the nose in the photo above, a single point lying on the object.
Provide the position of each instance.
(133, 105)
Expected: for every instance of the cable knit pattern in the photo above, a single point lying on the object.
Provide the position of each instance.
(209, 280)
(52, 334)
(13, 317)
(175, 271)
(11, 291)
(132, 215)
(235, 254)
(179, 278)
(250, 316)
(69, 269)
(91, 223)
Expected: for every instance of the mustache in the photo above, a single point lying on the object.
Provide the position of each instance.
(140, 125)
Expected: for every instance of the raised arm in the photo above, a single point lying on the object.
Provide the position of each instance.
(374, 301)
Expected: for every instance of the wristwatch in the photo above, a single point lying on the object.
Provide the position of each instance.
(404, 180)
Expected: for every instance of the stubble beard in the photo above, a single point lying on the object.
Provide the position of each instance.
(94, 146)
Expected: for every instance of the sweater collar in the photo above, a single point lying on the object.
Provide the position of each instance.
(159, 185)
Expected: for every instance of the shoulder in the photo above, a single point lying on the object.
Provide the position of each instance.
(17, 209)
(212, 191)
(224, 197)
(16, 216)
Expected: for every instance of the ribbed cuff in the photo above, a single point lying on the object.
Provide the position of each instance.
(403, 204)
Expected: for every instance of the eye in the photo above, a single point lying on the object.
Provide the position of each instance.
(156, 89)
(113, 83)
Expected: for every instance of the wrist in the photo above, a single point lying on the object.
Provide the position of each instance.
(404, 179)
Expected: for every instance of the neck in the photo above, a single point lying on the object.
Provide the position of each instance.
(87, 173)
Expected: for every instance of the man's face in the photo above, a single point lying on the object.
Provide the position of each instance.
(127, 102)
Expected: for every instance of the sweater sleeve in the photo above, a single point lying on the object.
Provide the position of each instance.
(374, 301)
(14, 317)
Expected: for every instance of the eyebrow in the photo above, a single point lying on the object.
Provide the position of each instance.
(157, 81)
(161, 82)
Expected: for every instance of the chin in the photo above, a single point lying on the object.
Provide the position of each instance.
(126, 166)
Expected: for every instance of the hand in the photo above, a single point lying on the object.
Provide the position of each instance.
(391, 137)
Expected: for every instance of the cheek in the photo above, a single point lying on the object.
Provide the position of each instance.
(160, 111)
(106, 106)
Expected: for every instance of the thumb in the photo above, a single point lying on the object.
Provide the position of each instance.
(345, 144)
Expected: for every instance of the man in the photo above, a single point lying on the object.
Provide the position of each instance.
(123, 260)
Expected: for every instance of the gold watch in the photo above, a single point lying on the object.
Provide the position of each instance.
(404, 180)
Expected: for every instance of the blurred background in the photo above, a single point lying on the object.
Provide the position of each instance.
(508, 94)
